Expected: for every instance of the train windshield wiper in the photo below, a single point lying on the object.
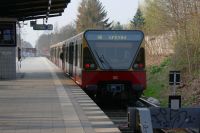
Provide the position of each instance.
(102, 60)
(105, 61)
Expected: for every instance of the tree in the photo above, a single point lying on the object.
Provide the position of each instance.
(157, 17)
(92, 15)
(46, 40)
(117, 26)
(26, 44)
(67, 32)
(138, 20)
(180, 18)
(63, 34)
(43, 44)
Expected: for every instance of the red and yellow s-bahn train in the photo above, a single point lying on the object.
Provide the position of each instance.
(104, 63)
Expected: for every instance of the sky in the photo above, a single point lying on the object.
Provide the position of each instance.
(117, 10)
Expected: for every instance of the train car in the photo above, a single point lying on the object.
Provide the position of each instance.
(105, 63)
(55, 54)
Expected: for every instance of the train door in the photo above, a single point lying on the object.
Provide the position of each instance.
(71, 58)
(78, 68)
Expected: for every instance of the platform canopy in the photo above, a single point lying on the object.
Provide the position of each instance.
(32, 9)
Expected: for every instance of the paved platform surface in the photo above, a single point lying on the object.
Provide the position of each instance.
(43, 100)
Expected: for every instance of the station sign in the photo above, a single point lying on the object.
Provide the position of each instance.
(43, 27)
(174, 78)
(32, 23)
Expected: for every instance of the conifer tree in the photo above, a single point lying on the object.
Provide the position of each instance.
(92, 15)
(138, 20)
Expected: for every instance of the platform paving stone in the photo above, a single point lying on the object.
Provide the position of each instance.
(43, 100)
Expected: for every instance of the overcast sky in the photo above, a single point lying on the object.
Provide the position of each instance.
(118, 10)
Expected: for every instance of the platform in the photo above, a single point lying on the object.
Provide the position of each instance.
(44, 100)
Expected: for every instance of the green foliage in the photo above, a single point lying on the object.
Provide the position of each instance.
(180, 20)
(138, 20)
(165, 63)
(92, 15)
(46, 40)
(156, 17)
(156, 69)
(157, 83)
(157, 90)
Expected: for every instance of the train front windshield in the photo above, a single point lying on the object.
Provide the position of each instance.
(114, 49)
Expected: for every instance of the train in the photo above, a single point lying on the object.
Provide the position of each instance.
(104, 63)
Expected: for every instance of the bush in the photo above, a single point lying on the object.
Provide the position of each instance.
(156, 69)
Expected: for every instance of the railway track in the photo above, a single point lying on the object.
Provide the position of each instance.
(118, 114)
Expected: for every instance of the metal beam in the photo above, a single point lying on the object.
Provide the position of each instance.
(40, 13)
(30, 8)
(38, 17)
(42, 10)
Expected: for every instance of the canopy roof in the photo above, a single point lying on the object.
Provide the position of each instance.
(32, 9)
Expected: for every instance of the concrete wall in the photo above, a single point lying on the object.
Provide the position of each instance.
(7, 63)
(160, 44)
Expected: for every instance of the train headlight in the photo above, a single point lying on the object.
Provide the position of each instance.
(91, 66)
(87, 66)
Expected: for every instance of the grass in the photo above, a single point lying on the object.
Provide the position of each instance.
(158, 86)
(157, 82)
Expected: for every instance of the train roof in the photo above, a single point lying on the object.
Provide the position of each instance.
(68, 40)
(57, 44)
(81, 35)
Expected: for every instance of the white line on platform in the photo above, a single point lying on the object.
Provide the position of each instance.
(68, 111)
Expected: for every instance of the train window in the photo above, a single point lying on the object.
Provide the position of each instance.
(114, 55)
(140, 60)
(80, 55)
(61, 56)
(76, 55)
(67, 52)
(114, 49)
(71, 53)
(88, 61)
(56, 53)
(63, 49)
